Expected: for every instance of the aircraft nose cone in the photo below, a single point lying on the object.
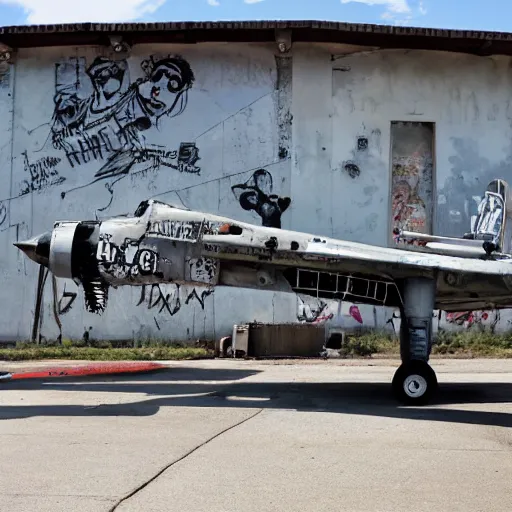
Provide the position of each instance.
(37, 248)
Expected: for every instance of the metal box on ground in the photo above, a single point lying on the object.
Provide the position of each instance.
(286, 340)
(240, 340)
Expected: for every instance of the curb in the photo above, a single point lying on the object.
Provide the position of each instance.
(84, 371)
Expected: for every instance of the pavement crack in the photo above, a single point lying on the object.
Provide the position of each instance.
(190, 452)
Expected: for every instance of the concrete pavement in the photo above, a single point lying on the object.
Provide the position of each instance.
(226, 436)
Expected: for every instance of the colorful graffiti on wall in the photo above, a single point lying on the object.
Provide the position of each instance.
(481, 320)
(409, 209)
(412, 169)
(318, 311)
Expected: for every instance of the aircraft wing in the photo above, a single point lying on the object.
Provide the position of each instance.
(462, 282)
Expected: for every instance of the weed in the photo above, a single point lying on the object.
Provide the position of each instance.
(465, 344)
(28, 352)
(367, 344)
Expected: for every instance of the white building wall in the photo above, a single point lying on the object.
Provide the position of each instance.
(298, 118)
(232, 115)
(342, 94)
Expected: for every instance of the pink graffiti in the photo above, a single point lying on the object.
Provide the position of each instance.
(323, 318)
(466, 316)
(355, 314)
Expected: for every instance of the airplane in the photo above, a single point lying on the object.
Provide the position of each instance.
(162, 243)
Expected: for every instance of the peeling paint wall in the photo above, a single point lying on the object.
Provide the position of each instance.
(344, 105)
(468, 100)
(300, 141)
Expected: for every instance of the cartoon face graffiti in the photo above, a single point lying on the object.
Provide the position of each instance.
(108, 123)
(107, 78)
(165, 89)
(68, 114)
(256, 194)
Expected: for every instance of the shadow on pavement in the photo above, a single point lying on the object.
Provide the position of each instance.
(370, 399)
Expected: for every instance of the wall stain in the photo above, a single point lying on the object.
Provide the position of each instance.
(3, 213)
(371, 222)
(462, 191)
(284, 68)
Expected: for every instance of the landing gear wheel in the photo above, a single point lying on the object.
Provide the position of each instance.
(415, 383)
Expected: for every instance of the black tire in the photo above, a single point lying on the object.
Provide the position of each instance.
(415, 383)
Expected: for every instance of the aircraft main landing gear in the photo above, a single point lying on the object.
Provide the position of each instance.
(415, 382)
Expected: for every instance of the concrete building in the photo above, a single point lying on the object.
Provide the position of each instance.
(346, 130)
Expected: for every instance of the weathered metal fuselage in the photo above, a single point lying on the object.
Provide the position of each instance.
(161, 244)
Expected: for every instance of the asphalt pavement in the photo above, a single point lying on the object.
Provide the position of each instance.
(244, 436)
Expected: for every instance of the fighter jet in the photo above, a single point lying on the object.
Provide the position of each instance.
(161, 243)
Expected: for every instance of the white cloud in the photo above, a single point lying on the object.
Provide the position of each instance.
(392, 5)
(74, 11)
(402, 21)
(253, 1)
(398, 12)
(213, 3)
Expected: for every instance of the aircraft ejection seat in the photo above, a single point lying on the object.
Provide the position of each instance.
(493, 222)
(491, 229)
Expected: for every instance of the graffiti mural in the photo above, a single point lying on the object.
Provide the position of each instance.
(412, 172)
(408, 208)
(103, 117)
(66, 301)
(257, 194)
(126, 261)
(475, 319)
(355, 314)
(168, 298)
(41, 174)
(313, 311)
(102, 126)
(318, 311)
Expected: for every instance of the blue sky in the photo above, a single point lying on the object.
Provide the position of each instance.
(457, 14)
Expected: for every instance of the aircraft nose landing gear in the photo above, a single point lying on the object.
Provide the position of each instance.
(415, 382)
